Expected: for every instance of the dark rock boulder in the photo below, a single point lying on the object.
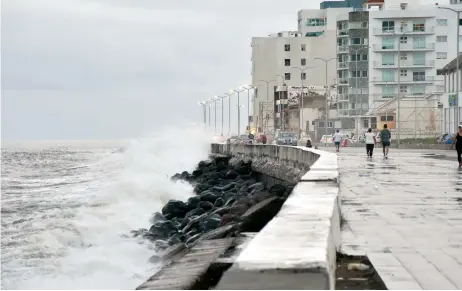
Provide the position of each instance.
(209, 223)
(204, 164)
(221, 211)
(197, 173)
(206, 205)
(175, 208)
(193, 202)
(161, 229)
(195, 212)
(256, 187)
(231, 175)
(219, 203)
(208, 196)
(220, 232)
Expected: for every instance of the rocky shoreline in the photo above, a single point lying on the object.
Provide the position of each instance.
(229, 199)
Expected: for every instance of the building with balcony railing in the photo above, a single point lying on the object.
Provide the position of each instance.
(410, 42)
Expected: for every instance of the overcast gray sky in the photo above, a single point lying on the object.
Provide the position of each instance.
(110, 69)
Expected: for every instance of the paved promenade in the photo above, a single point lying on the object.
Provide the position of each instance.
(405, 214)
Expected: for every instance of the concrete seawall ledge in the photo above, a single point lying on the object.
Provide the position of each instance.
(297, 248)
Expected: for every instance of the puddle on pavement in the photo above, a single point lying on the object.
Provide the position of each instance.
(356, 273)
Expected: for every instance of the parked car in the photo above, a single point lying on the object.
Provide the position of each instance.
(287, 138)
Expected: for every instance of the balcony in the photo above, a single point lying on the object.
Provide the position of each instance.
(342, 49)
(343, 81)
(342, 66)
(406, 31)
(342, 98)
(404, 47)
(404, 64)
(403, 80)
(343, 32)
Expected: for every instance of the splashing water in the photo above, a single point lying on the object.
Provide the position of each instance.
(67, 212)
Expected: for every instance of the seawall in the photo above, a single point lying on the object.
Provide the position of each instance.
(297, 248)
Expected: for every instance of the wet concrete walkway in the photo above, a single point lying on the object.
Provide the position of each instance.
(405, 214)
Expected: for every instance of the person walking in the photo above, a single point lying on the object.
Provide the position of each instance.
(370, 142)
(457, 143)
(337, 140)
(385, 137)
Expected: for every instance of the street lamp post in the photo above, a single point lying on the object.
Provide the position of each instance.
(222, 111)
(326, 61)
(248, 88)
(204, 112)
(214, 101)
(229, 110)
(267, 95)
(238, 109)
(300, 102)
(456, 112)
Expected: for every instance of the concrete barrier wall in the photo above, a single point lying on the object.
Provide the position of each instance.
(297, 248)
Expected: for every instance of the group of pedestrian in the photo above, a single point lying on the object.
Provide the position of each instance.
(371, 141)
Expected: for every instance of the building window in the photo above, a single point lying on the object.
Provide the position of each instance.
(439, 72)
(418, 76)
(403, 56)
(388, 76)
(403, 89)
(287, 76)
(364, 57)
(441, 38)
(314, 34)
(316, 22)
(403, 39)
(418, 59)
(418, 26)
(303, 62)
(419, 42)
(354, 58)
(418, 90)
(330, 124)
(441, 55)
(403, 73)
(356, 40)
(365, 123)
(321, 124)
(388, 43)
(303, 47)
(388, 26)
(386, 118)
(287, 47)
(388, 59)
(364, 74)
(442, 22)
(388, 92)
(364, 24)
(287, 62)
(303, 76)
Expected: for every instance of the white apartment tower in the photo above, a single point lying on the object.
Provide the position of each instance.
(288, 58)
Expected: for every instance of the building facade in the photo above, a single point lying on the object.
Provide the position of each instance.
(451, 101)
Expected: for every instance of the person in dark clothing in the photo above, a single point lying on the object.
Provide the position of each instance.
(385, 137)
(457, 142)
(308, 144)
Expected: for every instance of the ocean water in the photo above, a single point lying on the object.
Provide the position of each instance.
(67, 209)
